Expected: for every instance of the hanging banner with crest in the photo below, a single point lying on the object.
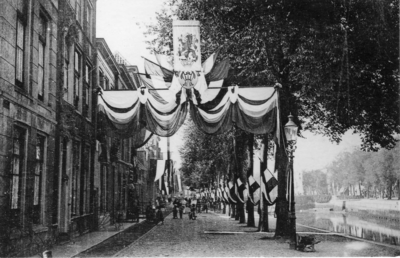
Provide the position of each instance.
(187, 57)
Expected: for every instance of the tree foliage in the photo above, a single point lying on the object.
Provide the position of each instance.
(205, 158)
(315, 182)
(337, 60)
(375, 172)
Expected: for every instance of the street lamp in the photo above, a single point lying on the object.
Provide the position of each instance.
(291, 137)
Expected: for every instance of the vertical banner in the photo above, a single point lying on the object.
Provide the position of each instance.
(187, 57)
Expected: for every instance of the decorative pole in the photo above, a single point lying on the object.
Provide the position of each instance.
(291, 137)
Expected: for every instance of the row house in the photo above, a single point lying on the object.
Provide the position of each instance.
(28, 122)
(122, 180)
(75, 141)
(114, 157)
(58, 177)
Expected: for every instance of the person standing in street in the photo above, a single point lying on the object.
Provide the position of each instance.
(198, 206)
(183, 204)
(181, 209)
(175, 211)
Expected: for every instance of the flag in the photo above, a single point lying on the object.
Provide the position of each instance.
(209, 63)
(269, 186)
(150, 82)
(270, 181)
(253, 185)
(179, 182)
(228, 194)
(186, 40)
(154, 69)
(225, 192)
(232, 194)
(248, 192)
(165, 61)
(219, 71)
(261, 152)
(239, 186)
(160, 169)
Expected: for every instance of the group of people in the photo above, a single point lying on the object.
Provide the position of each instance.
(155, 214)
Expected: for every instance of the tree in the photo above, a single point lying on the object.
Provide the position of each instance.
(315, 182)
(327, 55)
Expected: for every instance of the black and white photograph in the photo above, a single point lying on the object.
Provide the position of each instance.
(199, 128)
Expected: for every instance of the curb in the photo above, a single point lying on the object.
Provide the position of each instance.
(107, 239)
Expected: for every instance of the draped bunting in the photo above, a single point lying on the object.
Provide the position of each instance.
(214, 111)
(180, 85)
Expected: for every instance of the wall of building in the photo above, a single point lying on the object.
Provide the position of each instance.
(28, 43)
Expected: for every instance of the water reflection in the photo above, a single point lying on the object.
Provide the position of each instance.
(352, 225)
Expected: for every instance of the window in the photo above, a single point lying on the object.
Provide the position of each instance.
(78, 11)
(38, 179)
(19, 51)
(66, 72)
(86, 93)
(42, 54)
(107, 83)
(89, 21)
(16, 173)
(103, 187)
(102, 81)
(76, 148)
(85, 189)
(124, 191)
(77, 78)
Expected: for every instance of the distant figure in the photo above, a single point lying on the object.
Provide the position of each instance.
(175, 211)
(181, 209)
(149, 211)
(159, 216)
(205, 205)
(192, 213)
(198, 205)
(183, 204)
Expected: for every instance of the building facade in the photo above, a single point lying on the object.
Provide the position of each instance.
(28, 121)
(73, 209)
(60, 177)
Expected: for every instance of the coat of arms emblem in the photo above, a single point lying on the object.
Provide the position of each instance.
(188, 52)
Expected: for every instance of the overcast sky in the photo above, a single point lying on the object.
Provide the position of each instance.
(122, 23)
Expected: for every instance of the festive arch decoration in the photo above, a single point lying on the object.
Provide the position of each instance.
(174, 87)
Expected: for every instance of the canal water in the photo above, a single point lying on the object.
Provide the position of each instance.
(374, 229)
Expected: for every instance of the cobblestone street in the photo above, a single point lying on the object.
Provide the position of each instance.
(212, 235)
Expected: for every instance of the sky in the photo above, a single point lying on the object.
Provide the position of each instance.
(122, 23)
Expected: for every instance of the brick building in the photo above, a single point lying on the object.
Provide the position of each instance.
(58, 179)
(73, 210)
(28, 76)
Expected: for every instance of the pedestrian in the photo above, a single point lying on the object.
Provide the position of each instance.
(181, 209)
(198, 205)
(205, 205)
(175, 211)
(149, 210)
(192, 213)
(159, 216)
(183, 204)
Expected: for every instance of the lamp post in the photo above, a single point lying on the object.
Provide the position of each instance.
(291, 137)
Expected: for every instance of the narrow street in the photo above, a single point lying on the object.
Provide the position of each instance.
(215, 234)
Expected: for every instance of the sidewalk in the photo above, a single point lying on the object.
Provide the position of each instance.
(86, 241)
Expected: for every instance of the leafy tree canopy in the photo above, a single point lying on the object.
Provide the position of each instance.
(336, 60)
